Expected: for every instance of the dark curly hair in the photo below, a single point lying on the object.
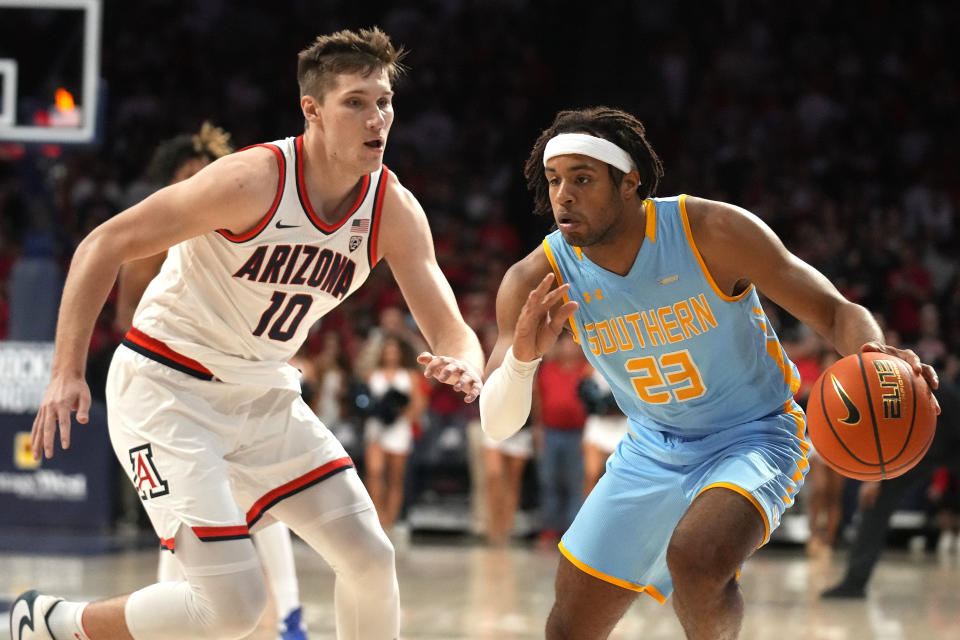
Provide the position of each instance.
(210, 142)
(619, 127)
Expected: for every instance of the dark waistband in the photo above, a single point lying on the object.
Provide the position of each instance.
(157, 351)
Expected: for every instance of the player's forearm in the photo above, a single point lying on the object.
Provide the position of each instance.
(853, 326)
(506, 397)
(459, 341)
(92, 273)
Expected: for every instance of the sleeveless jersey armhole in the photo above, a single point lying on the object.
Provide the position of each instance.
(260, 226)
(703, 266)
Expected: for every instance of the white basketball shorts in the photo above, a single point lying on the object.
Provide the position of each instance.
(210, 455)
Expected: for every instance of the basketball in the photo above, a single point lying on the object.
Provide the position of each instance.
(870, 418)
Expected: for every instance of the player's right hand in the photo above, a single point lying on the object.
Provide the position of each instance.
(541, 320)
(454, 372)
(63, 396)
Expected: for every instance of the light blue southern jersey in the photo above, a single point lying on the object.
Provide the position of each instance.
(680, 355)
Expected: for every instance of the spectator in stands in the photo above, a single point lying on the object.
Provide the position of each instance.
(559, 417)
(604, 427)
(392, 320)
(332, 372)
(503, 465)
(944, 496)
(398, 403)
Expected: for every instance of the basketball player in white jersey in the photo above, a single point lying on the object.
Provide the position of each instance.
(173, 161)
(204, 410)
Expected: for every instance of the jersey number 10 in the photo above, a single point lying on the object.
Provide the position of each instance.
(298, 304)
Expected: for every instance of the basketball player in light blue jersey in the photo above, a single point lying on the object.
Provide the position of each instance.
(662, 295)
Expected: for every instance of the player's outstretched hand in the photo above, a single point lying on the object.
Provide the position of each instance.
(911, 358)
(63, 397)
(541, 320)
(456, 373)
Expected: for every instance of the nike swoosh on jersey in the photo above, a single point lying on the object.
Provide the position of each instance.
(668, 279)
(280, 225)
(853, 414)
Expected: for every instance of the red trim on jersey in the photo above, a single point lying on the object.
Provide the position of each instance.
(296, 485)
(305, 199)
(375, 225)
(208, 534)
(281, 164)
(167, 543)
(141, 339)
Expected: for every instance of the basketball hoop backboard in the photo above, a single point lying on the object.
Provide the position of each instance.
(49, 70)
(8, 89)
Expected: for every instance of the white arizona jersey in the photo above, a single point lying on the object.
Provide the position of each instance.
(238, 307)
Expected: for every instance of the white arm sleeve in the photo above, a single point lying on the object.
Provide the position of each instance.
(506, 397)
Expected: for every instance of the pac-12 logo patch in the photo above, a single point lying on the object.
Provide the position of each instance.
(145, 475)
(355, 242)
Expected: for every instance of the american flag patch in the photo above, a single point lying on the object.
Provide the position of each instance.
(360, 225)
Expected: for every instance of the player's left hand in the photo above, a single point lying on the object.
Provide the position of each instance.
(456, 373)
(911, 358)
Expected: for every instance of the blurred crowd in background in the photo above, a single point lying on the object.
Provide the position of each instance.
(836, 126)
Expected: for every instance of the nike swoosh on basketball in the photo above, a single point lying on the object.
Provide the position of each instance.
(280, 225)
(853, 414)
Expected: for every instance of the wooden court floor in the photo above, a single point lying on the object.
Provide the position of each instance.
(453, 590)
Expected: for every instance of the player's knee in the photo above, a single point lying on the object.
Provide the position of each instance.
(230, 605)
(378, 559)
(558, 624)
(370, 566)
(696, 565)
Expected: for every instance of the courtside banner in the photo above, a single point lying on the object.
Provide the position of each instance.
(73, 490)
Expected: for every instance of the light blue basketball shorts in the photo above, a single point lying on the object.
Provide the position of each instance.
(622, 531)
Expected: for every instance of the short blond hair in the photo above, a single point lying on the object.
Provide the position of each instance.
(346, 51)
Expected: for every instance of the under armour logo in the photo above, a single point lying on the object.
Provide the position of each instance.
(587, 297)
(145, 475)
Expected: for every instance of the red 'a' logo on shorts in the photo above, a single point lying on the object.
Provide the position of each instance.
(145, 475)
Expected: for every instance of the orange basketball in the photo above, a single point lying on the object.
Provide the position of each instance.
(870, 418)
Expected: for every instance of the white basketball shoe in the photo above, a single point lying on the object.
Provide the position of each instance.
(28, 616)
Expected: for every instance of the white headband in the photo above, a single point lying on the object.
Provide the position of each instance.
(587, 145)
